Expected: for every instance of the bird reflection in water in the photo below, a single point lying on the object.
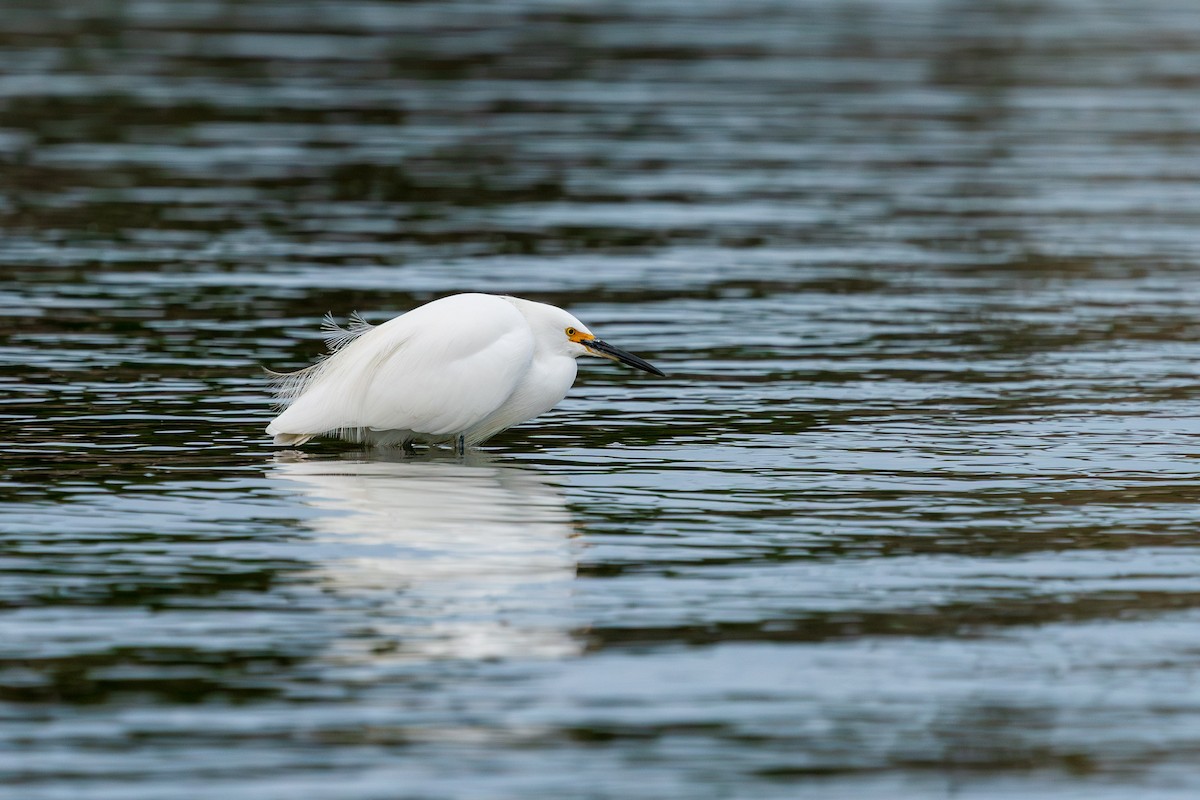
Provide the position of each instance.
(461, 559)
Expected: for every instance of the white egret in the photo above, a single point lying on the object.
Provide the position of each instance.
(457, 370)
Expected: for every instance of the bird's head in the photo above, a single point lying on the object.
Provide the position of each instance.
(566, 334)
(584, 342)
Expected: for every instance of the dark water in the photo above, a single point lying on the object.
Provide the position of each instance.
(914, 514)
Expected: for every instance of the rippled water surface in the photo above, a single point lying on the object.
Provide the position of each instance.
(913, 514)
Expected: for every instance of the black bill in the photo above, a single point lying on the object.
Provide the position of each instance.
(617, 354)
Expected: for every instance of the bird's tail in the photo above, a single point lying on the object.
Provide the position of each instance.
(292, 439)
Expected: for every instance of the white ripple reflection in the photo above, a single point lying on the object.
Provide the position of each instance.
(455, 560)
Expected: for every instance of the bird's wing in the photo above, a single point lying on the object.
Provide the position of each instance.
(438, 370)
(442, 384)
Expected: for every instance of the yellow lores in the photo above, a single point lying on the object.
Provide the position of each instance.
(457, 370)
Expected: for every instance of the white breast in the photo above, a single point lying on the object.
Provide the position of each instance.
(544, 385)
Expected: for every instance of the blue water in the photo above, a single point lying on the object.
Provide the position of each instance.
(912, 515)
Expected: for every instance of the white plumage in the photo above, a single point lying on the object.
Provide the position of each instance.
(459, 369)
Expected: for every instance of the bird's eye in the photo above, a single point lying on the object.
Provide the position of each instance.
(571, 331)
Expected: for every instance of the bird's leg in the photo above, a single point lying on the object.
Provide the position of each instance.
(460, 445)
(408, 447)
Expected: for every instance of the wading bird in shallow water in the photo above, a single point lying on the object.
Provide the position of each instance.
(458, 370)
